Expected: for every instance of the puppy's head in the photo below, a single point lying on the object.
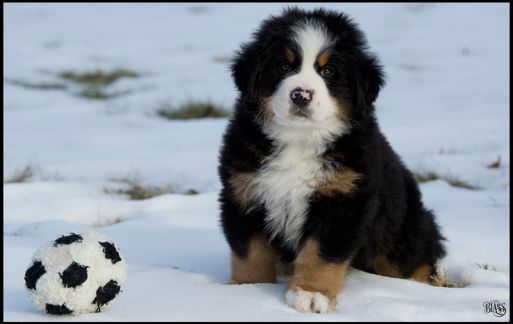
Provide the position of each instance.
(308, 69)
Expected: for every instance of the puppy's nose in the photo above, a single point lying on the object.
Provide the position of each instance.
(301, 97)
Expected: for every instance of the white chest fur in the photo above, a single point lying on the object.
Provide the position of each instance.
(289, 177)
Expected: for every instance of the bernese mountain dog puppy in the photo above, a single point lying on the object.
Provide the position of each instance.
(309, 182)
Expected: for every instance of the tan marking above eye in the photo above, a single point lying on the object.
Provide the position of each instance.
(289, 54)
(324, 58)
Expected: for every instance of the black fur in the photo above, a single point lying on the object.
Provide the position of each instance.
(385, 214)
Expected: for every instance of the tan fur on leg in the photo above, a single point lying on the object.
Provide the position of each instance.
(312, 274)
(257, 266)
(422, 274)
(384, 267)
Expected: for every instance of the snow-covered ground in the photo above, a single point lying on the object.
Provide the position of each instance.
(445, 109)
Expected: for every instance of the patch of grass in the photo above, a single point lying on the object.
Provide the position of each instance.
(191, 192)
(37, 85)
(99, 93)
(192, 110)
(455, 182)
(135, 190)
(425, 176)
(486, 266)
(440, 280)
(496, 164)
(452, 180)
(98, 77)
(93, 85)
(20, 175)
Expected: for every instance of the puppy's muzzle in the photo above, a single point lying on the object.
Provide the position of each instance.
(301, 97)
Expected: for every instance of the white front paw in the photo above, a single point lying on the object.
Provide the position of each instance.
(309, 301)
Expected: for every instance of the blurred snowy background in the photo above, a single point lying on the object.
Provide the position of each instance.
(93, 138)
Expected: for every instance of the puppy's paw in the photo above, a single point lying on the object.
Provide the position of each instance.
(309, 301)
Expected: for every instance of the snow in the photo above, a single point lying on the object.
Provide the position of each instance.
(445, 108)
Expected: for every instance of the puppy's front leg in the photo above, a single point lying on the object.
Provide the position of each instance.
(315, 283)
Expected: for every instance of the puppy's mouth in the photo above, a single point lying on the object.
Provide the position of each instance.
(297, 112)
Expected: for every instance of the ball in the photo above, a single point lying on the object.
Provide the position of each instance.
(76, 274)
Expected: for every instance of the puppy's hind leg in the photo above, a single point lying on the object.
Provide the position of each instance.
(384, 267)
(257, 266)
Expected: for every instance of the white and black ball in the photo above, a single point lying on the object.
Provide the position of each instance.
(76, 274)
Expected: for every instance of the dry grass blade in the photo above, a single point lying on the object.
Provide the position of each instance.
(20, 175)
(422, 177)
(496, 164)
(192, 110)
(99, 77)
(37, 85)
(486, 266)
(440, 280)
(138, 191)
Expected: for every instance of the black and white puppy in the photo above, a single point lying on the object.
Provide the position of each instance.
(308, 178)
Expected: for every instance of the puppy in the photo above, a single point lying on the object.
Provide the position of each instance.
(308, 179)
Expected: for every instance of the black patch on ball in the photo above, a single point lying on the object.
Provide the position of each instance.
(110, 252)
(106, 293)
(74, 275)
(57, 310)
(68, 239)
(33, 274)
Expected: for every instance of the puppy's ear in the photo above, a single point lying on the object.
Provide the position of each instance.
(243, 67)
(368, 79)
(247, 63)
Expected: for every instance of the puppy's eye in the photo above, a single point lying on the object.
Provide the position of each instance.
(285, 67)
(327, 72)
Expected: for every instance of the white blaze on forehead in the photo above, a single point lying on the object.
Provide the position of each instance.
(312, 38)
